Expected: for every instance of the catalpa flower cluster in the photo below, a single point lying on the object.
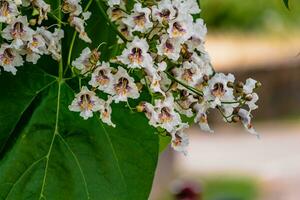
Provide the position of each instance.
(164, 55)
(25, 39)
(161, 67)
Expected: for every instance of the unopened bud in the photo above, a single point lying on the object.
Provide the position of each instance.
(140, 107)
(230, 85)
(205, 78)
(32, 22)
(258, 84)
(114, 70)
(239, 90)
(240, 84)
(95, 56)
(139, 86)
(235, 119)
(248, 97)
(236, 110)
(174, 86)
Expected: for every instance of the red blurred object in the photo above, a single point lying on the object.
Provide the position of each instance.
(186, 191)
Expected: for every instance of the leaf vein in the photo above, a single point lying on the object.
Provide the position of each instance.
(78, 164)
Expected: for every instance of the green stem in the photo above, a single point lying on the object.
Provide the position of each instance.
(185, 85)
(60, 68)
(115, 29)
(74, 39)
(71, 48)
(57, 19)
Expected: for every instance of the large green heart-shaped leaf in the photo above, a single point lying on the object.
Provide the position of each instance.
(48, 152)
(53, 154)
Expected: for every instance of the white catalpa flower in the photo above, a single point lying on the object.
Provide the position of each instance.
(36, 47)
(150, 113)
(10, 58)
(79, 24)
(136, 54)
(112, 3)
(43, 9)
(116, 13)
(8, 11)
(87, 60)
(201, 116)
(169, 47)
(53, 41)
(163, 12)
(252, 102)
(184, 104)
(125, 30)
(217, 89)
(251, 97)
(180, 28)
(249, 86)
(203, 63)
(246, 120)
(105, 112)
(86, 102)
(123, 87)
(102, 77)
(154, 75)
(18, 31)
(197, 39)
(72, 7)
(189, 73)
(186, 7)
(168, 118)
(139, 20)
(180, 140)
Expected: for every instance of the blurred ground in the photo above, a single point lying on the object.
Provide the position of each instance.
(249, 51)
(275, 158)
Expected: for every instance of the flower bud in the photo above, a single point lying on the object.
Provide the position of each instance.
(205, 78)
(236, 110)
(32, 22)
(230, 84)
(258, 84)
(248, 97)
(140, 107)
(174, 86)
(240, 84)
(139, 86)
(235, 119)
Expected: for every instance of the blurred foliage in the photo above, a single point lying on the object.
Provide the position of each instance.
(250, 16)
(230, 188)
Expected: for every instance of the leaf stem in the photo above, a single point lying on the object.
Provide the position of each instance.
(57, 19)
(185, 85)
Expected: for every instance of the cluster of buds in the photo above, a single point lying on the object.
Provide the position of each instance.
(163, 54)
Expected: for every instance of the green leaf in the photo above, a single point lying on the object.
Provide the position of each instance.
(48, 152)
(286, 3)
(164, 142)
(57, 155)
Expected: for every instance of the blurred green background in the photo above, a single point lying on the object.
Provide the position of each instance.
(250, 15)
